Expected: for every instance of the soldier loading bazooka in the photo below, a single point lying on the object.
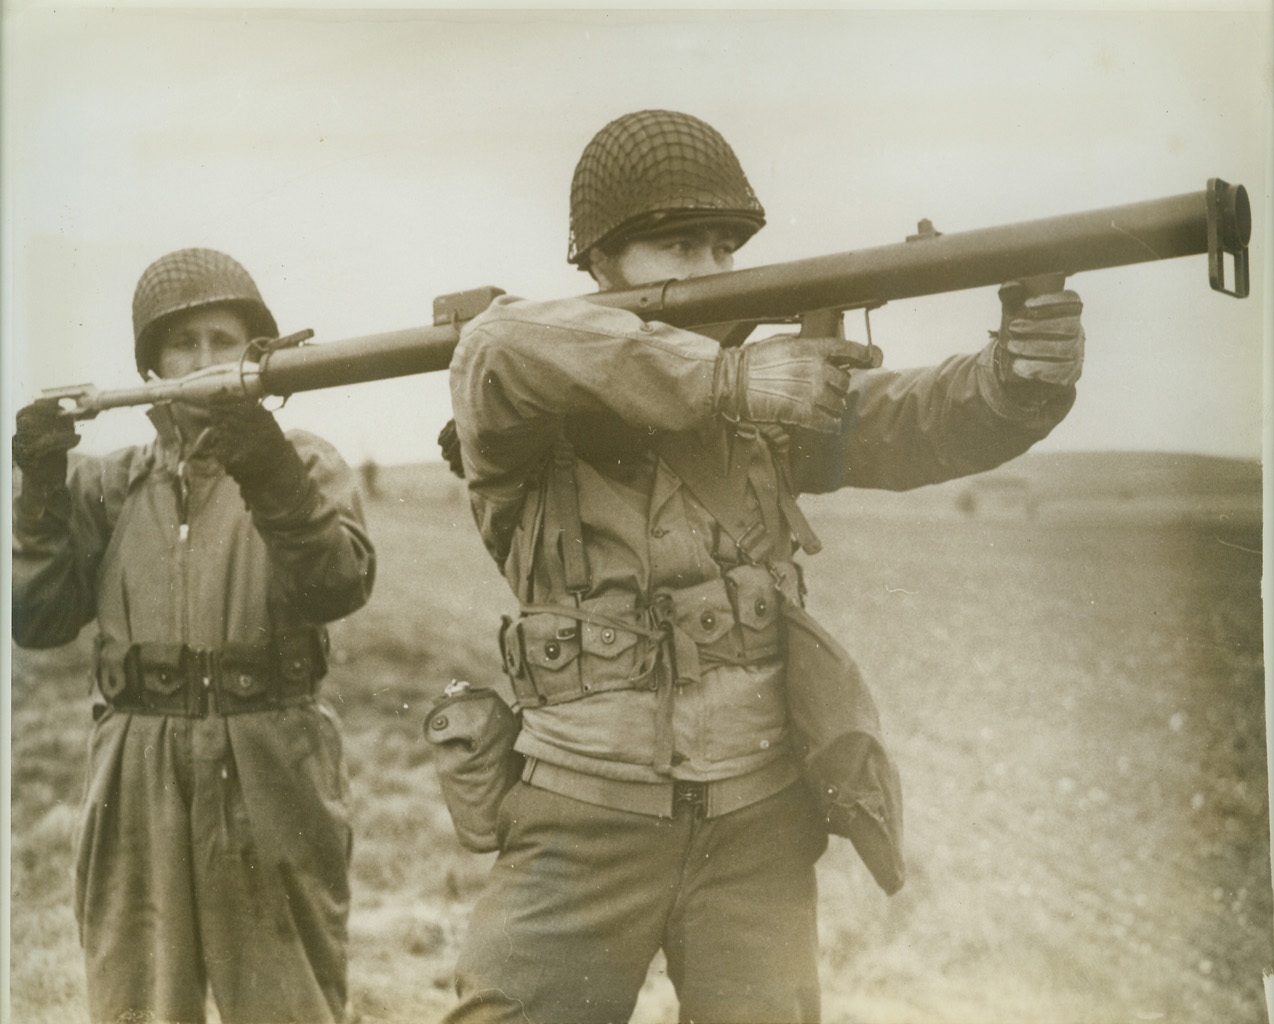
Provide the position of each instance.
(213, 850)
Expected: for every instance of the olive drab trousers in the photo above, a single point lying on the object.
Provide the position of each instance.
(582, 897)
(214, 853)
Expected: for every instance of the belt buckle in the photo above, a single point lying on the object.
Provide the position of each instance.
(691, 794)
(200, 676)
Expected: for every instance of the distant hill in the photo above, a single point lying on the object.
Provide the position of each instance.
(421, 480)
(1106, 485)
(1139, 485)
(1131, 474)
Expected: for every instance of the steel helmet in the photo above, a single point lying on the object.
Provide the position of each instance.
(189, 279)
(650, 168)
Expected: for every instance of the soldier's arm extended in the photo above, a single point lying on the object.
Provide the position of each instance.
(968, 414)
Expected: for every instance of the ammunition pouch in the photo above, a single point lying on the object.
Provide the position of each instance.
(555, 654)
(472, 731)
(173, 679)
(730, 621)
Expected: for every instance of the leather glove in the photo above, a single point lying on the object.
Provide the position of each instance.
(799, 382)
(1040, 346)
(245, 437)
(449, 442)
(42, 439)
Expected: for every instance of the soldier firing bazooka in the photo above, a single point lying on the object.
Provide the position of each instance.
(635, 482)
(215, 839)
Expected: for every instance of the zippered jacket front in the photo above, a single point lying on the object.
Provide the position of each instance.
(161, 550)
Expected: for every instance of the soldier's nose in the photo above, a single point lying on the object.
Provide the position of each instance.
(205, 355)
(703, 266)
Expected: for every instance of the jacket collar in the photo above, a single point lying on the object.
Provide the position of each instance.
(170, 447)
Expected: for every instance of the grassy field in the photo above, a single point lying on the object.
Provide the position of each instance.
(1074, 698)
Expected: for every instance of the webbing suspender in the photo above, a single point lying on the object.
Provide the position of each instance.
(564, 496)
(717, 492)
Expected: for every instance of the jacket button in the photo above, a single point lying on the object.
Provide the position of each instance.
(658, 531)
(761, 606)
(245, 682)
(707, 620)
(608, 636)
(439, 723)
(552, 650)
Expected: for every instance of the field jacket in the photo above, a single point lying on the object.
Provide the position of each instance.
(161, 550)
(528, 376)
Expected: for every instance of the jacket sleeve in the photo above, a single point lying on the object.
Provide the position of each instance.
(908, 428)
(319, 549)
(59, 537)
(522, 368)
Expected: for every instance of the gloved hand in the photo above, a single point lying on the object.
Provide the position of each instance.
(245, 437)
(799, 382)
(41, 441)
(1041, 340)
(449, 442)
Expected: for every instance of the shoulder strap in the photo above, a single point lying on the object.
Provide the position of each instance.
(780, 452)
(719, 486)
(717, 489)
(563, 498)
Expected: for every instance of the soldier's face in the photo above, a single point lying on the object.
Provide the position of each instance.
(201, 338)
(677, 253)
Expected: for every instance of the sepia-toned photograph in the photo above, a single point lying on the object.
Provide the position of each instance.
(597, 516)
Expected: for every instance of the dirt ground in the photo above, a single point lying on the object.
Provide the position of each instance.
(1075, 704)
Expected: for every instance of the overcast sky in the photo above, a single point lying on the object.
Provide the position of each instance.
(360, 163)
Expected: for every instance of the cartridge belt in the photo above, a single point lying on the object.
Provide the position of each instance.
(661, 799)
(556, 654)
(173, 679)
(559, 653)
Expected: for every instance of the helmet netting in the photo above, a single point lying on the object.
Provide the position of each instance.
(189, 279)
(654, 162)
